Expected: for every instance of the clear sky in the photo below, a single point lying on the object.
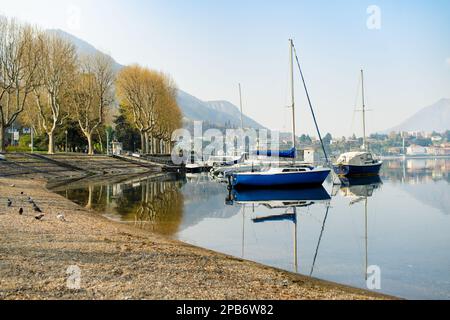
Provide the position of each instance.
(211, 46)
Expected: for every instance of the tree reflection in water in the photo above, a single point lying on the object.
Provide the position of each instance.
(154, 203)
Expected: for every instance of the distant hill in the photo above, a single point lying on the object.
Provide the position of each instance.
(218, 113)
(214, 112)
(433, 118)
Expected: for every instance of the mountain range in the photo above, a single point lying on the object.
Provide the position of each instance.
(432, 118)
(225, 114)
(215, 113)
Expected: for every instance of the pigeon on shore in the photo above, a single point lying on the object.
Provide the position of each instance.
(40, 216)
(30, 200)
(61, 217)
(9, 203)
(36, 208)
(21, 193)
(21, 211)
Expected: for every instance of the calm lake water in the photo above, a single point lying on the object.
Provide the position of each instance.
(399, 223)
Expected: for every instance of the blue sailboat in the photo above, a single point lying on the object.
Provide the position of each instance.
(361, 163)
(287, 175)
(283, 177)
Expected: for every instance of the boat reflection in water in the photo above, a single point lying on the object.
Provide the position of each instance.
(360, 190)
(289, 200)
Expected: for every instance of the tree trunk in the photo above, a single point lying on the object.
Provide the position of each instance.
(90, 147)
(2, 138)
(51, 143)
(150, 146)
(146, 143)
(142, 142)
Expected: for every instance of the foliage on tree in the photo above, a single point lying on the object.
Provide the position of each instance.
(148, 101)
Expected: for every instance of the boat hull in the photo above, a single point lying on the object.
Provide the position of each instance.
(280, 180)
(352, 170)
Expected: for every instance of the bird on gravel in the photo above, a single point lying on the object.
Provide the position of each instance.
(36, 208)
(9, 203)
(21, 211)
(21, 193)
(30, 200)
(61, 217)
(40, 216)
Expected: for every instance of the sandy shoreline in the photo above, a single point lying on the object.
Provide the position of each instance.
(118, 261)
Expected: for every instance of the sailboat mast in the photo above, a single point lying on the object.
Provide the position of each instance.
(364, 110)
(291, 54)
(240, 103)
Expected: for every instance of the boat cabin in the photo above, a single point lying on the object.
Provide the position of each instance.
(356, 159)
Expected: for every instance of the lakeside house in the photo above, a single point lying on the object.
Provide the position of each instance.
(416, 150)
(440, 150)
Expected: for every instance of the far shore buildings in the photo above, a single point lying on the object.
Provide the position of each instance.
(440, 150)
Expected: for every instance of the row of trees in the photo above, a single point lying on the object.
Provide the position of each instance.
(47, 84)
(148, 100)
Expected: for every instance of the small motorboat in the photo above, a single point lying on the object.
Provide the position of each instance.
(196, 167)
(225, 161)
(357, 164)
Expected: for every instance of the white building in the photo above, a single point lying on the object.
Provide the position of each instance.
(310, 155)
(416, 150)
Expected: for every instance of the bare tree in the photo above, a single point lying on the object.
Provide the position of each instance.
(93, 93)
(18, 63)
(56, 71)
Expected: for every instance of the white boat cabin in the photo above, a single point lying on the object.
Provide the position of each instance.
(356, 159)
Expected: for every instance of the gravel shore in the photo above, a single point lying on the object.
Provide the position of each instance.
(117, 261)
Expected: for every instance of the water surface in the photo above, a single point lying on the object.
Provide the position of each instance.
(399, 223)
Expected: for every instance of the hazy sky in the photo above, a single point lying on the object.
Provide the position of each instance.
(211, 46)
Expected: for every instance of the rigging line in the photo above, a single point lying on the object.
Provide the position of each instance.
(320, 240)
(310, 105)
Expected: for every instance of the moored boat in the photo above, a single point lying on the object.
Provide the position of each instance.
(306, 176)
(287, 175)
(360, 163)
(357, 164)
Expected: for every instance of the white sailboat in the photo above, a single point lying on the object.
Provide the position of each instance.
(360, 163)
